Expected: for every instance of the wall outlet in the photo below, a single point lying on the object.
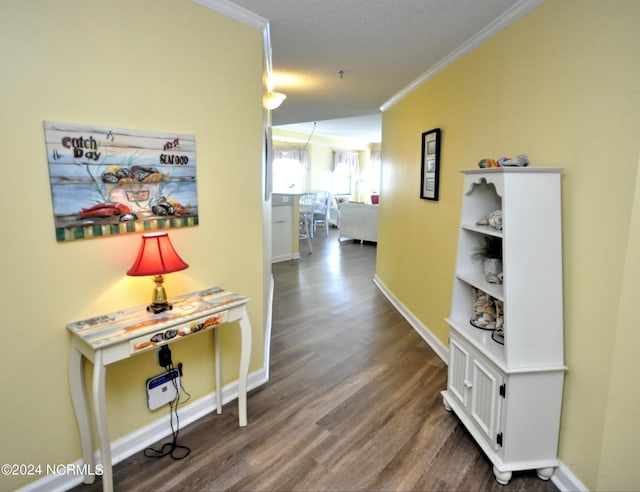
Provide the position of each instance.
(163, 389)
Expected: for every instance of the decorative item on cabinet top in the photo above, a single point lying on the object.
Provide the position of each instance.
(518, 161)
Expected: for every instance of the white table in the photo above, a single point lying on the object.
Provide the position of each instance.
(109, 338)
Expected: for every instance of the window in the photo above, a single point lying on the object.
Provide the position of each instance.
(345, 170)
(342, 180)
(374, 172)
(289, 169)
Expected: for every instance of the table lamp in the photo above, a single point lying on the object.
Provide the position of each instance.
(157, 257)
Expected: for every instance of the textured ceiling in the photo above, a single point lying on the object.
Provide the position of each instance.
(382, 46)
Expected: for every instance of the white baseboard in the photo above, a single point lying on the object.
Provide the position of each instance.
(438, 347)
(566, 481)
(266, 354)
(562, 478)
(147, 435)
(285, 257)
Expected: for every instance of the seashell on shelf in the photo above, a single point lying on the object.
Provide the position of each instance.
(494, 278)
(492, 219)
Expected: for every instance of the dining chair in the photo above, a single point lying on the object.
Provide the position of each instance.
(321, 211)
(305, 217)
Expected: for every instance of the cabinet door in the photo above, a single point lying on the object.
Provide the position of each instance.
(281, 233)
(486, 402)
(458, 380)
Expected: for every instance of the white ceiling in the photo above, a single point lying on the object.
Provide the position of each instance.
(383, 47)
(361, 130)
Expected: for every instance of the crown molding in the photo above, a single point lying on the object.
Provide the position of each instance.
(509, 17)
(235, 12)
(247, 17)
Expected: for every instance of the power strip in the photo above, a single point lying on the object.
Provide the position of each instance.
(163, 389)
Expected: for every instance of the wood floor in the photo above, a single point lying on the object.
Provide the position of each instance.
(353, 402)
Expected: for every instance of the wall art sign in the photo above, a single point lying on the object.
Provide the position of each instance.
(108, 181)
(430, 176)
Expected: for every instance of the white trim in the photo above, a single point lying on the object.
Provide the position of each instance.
(236, 12)
(268, 64)
(266, 355)
(509, 17)
(566, 481)
(285, 257)
(145, 436)
(438, 347)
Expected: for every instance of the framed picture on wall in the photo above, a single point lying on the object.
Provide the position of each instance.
(107, 181)
(430, 167)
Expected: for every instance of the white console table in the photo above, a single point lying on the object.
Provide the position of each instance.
(109, 338)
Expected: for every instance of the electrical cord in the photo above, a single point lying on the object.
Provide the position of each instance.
(173, 449)
(310, 135)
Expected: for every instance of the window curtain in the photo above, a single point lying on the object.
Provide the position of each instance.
(296, 153)
(352, 159)
(374, 172)
(345, 169)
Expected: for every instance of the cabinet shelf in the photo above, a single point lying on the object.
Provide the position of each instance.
(477, 280)
(483, 229)
(481, 340)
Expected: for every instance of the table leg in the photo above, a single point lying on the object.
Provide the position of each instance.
(218, 371)
(245, 355)
(81, 408)
(100, 407)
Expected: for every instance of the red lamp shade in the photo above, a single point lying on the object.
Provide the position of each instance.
(156, 257)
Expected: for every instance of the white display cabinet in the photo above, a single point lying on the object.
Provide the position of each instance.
(509, 394)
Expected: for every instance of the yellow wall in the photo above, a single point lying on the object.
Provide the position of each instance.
(320, 176)
(561, 85)
(158, 65)
(619, 456)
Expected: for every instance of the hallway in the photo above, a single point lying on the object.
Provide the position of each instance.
(353, 402)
